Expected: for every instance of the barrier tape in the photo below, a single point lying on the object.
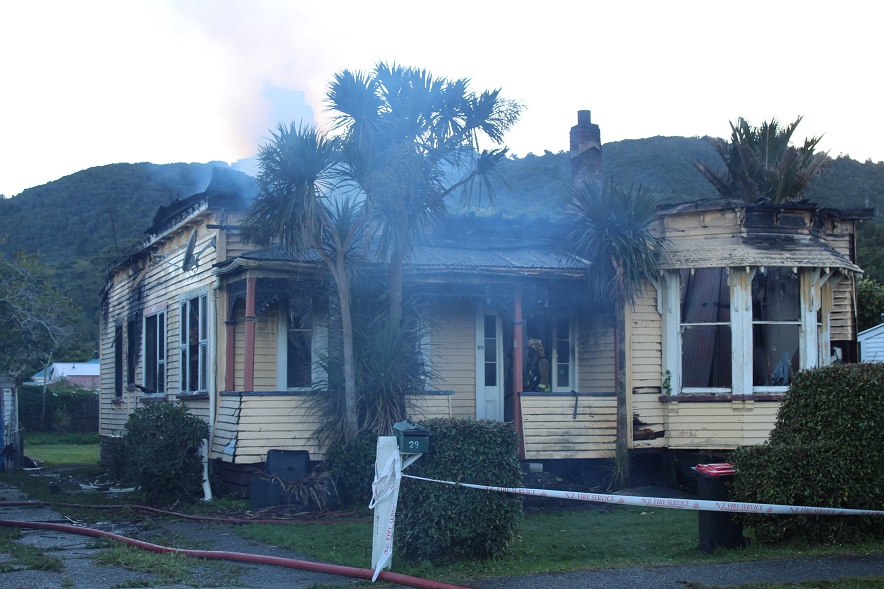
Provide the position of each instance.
(688, 504)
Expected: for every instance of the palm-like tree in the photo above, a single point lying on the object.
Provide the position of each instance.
(613, 232)
(760, 163)
(298, 171)
(410, 140)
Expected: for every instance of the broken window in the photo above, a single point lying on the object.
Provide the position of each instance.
(776, 322)
(155, 353)
(193, 345)
(554, 340)
(118, 361)
(131, 350)
(299, 343)
(705, 328)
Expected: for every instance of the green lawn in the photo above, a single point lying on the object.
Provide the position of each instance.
(51, 449)
(549, 543)
(64, 455)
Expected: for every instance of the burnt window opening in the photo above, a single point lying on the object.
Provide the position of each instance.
(776, 326)
(549, 339)
(155, 353)
(705, 328)
(118, 361)
(193, 345)
(132, 339)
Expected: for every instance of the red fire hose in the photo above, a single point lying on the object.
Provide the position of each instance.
(291, 563)
(198, 518)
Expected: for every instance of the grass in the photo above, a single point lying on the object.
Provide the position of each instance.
(170, 569)
(53, 449)
(22, 556)
(549, 543)
(61, 455)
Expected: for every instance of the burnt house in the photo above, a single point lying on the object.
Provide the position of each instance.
(749, 294)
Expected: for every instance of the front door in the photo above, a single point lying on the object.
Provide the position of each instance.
(489, 365)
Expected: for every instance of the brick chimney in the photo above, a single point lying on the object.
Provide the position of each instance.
(586, 149)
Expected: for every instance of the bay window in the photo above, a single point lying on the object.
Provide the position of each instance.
(739, 330)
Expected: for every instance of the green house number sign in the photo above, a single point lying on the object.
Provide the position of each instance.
(415, 445)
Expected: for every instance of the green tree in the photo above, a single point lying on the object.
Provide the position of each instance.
(298, 169)
(869, 303)
(761, 163)
(388, 362)
(410, 140)
(36, 320)
(612, 231)
(870, 249)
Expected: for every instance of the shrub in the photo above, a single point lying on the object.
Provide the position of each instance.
(161, 452)
(351, 465)
(824, 451)
(69, 408)
(441, 522)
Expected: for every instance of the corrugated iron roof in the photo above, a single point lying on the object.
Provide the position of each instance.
(437, 256)
(514, 258)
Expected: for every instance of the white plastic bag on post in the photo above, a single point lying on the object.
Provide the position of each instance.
(385, 495)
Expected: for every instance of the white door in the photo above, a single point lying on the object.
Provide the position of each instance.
(489, 365)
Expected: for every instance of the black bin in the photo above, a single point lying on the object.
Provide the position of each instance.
(717, 529)
(282, 466)
(288, 465)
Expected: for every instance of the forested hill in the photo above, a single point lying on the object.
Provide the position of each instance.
(81, 222)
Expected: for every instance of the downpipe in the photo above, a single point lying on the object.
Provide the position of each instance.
(291, 563)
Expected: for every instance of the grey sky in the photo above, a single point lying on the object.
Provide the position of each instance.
(94, 82)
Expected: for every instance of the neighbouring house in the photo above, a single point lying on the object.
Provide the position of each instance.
(750, 293)
(83, 374)
(10, 430)
(871, 344)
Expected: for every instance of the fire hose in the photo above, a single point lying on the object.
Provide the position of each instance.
(291, 563)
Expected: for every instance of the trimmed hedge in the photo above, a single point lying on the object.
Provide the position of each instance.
(442, 522)
(351, 465)
(825, 451)
(69, 408)
(161, 452)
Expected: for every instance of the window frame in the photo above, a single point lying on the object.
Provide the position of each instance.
(571, 385)
(185, 346)
(159, 370)
(797, 323)
(683, 326)
(318, 345)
